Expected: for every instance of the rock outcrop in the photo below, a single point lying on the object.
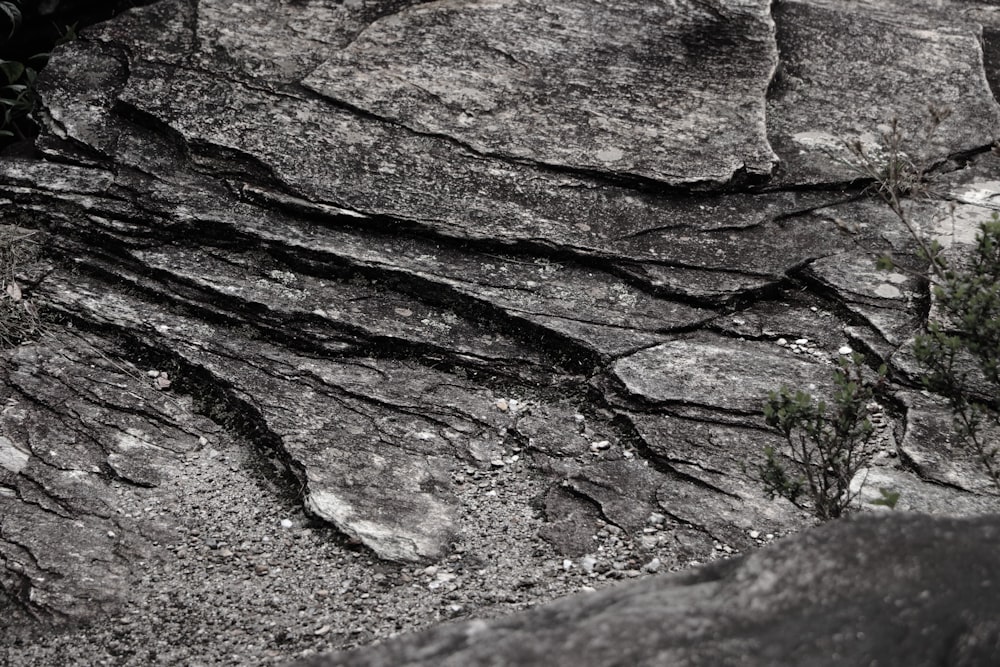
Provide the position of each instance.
(488, 288)
(812, 600)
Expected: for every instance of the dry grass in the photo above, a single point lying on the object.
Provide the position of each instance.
(19, 320)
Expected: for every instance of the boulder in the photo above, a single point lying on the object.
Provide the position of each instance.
(891, 590)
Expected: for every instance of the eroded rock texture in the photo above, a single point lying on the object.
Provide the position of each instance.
(481, 283)
(798, 601)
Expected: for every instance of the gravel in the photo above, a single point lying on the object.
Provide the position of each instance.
(238, 574)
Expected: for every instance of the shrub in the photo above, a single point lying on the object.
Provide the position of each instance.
(826, 445)
(18, 77)
(960, 349)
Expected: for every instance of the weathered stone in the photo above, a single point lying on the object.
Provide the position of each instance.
(572, 523)
(711, 371)
(948, 460)
(798, 600)
(283, 283)
(847, 71)
(76, 425)
(558, 85)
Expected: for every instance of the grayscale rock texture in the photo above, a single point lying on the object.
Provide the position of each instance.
(794, 603)
(366, 315)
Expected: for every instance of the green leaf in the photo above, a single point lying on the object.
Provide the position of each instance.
(13, 16)
(889, 498)
(40, 59)
(11, 69)
(885, 263)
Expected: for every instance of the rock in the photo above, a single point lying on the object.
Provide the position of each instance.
(477, 286)
(817, 102)
(794, 600)
(710, 371)
(407, 68)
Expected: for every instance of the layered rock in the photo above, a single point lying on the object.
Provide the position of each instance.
(394, 247)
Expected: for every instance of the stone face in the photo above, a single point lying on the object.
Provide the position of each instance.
(459, 306)
(798, 600)
(662, 90)
(848, 71)
(711, 372)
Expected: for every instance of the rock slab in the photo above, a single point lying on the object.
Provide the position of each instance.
(805, 601)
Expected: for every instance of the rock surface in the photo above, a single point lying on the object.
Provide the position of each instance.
(807, 600)
(360, 316)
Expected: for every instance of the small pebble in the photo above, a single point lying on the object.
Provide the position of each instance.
(652, 566)
(153, 373)
(782, 342)
(754, 534)
(845, 350)
(502, 405)
(286, 523)
(802, 341)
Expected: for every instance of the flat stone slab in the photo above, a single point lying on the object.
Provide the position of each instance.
(713, 372)
(847, 71)
(669, 91)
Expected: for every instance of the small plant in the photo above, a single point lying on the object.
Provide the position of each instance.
(12, 15)
(17, 78)
(826, 445)
(960, 350)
